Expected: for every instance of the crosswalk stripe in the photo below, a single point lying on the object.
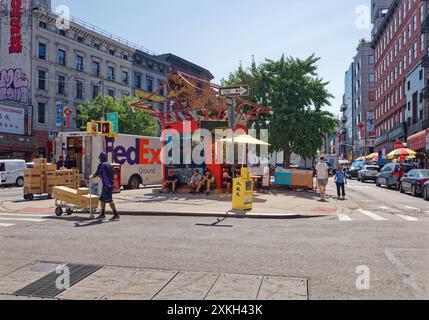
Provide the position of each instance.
(408, 218)
(6, 224)
(344, 217)
(23, 215)
(372, 215)
(411, 208)
(22, 219)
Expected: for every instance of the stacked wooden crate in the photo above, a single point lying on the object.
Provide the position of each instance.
(79, 197)
(33, 181)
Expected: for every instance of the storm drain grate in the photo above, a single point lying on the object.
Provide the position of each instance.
(46, 287)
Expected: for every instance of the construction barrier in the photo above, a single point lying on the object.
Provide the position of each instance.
(294, 178)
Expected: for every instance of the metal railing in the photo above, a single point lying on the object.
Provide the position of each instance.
(102, 32)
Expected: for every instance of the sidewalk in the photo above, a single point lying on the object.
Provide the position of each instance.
(276, 204)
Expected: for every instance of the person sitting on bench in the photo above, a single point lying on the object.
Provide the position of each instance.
(208, 180)
(171, 181)
(194, 182)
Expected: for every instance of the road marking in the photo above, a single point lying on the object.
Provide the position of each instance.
(22, 219)
(344, 217)
(372, 215)
(6, 225)
(406, 275)
(24, 215)
(411, 208)
(408, 218)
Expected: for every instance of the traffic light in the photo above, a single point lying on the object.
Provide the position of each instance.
(92, 128)
(106, 128)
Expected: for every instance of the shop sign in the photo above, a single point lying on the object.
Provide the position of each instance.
(12, 120)
(397, 133)
(15, 27)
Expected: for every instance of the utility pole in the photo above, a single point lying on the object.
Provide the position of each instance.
(231, 125)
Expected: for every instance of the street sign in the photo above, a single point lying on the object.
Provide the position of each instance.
(238, 91)
(114, 119)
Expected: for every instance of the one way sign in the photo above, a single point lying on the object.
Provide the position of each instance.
(238, 91)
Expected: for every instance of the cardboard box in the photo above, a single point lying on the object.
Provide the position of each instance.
(82, 191)
(40, 162)
(51, 167)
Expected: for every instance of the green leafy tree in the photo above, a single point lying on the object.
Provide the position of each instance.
(297, 96)
(131, 121)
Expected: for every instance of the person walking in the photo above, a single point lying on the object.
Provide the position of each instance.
(105, 172)
(341, 181)
(322, 176)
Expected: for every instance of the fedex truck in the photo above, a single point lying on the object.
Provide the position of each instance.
(139, 157)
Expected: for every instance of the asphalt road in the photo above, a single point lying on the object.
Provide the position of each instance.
(382, 230)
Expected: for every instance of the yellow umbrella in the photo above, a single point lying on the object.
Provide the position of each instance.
(402, 152)
(372, 156)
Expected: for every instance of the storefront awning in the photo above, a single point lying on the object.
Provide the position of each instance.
(417, 141)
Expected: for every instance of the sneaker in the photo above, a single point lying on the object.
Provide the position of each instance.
(116, 217)
(101, 217)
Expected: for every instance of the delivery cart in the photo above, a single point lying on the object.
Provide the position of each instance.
(75, 206)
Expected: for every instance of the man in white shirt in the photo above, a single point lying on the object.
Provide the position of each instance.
(322, 176)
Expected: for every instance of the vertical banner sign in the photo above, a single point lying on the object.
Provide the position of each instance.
(59, 118)
(370, 123)
(114, 119)
(67, 113)
(15, 45)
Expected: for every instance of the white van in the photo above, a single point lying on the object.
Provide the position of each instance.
(12, 172)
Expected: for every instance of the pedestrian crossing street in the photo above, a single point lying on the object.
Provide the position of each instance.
(383, 213)
(8, 220)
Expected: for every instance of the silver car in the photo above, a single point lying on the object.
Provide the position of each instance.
(368, 172)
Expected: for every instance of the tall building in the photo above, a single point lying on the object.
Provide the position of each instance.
(363, 100)
(347, 110)
(400, 54)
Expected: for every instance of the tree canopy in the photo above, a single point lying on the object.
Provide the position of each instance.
(297, 95)
(135, 122)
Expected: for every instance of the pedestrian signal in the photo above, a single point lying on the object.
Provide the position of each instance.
(92, 128)
(106, 128)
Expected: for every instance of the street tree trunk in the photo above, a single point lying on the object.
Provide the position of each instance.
(286, 159)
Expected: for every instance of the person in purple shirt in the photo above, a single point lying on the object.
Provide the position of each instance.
(105, 172)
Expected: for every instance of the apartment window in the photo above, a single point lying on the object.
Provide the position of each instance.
(399, 43)
(43, 25)
(42, 51)
(111, 93)
(111, 73)
(161, 85)
(410, 55)
(415, 23)
(61, 57)
(405, 37)
(42, 80)
(409, 85)
(371, 78)
(404, 10)
(409, 30)
(149, 83)
(138, 80)
(61, 85)
(80, 39)
(125, 57)
(125, 77)
(62, 33)
(79, 63)
(95, 91)
(41, 113)
(112, 52)
(96, 46)
(422, 42)
(421, 75)
(79, 90)
(371, 60)
(95, 68)
(415, 49)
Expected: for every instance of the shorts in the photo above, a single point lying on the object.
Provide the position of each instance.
(322, 182)
(106, 195)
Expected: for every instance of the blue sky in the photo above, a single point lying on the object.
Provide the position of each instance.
(219, 34)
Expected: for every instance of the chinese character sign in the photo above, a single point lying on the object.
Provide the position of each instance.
(12, 120)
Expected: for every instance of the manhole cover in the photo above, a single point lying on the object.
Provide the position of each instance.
(46, 287)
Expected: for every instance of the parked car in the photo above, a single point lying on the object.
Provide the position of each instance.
(353, 172)
(426, 191)
(389, 175)
(12, 172)
(368, 172)
(413, 182)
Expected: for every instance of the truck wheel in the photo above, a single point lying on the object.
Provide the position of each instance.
(69, 211)
(20, 182)
(30, 197)
(58, 212)
(134, 183)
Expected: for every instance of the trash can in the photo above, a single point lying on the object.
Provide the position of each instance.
(116, 178)
(242, 193)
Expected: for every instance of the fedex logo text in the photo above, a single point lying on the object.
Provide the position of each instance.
(141, 153)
